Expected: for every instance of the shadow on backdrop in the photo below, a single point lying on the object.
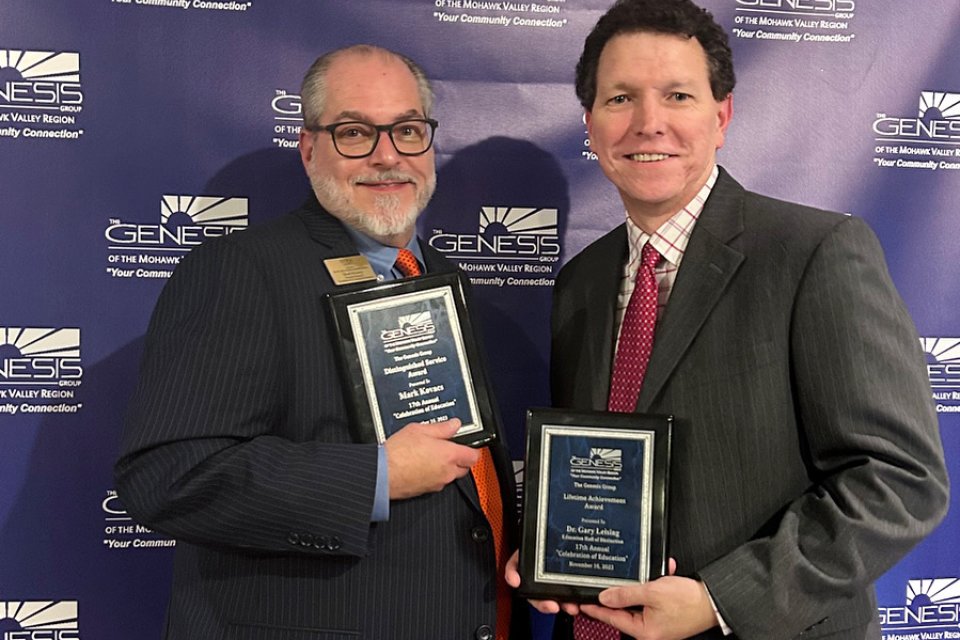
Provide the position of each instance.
(482, 190)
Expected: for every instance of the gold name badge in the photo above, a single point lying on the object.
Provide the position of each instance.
(349, 269)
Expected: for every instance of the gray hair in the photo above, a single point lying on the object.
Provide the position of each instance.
(313, 90)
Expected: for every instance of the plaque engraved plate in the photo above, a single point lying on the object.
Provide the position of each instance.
(408, 354)
(595, 502)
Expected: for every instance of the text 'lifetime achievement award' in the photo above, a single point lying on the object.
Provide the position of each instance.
(408, 354)
(595, 502)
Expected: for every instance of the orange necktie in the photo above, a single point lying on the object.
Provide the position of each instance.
(407, 263)
(488, 490)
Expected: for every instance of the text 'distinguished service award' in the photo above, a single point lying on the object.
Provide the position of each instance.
(408, 354)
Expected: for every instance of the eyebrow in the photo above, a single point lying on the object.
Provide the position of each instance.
(360, 116)
(669, 86)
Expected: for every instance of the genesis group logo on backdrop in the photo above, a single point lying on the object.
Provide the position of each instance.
(39, 620)
(943, 367)
(795, 21)
(498, 14)
(147, 251)
(931, 611)
(40, 370)
(287, 112)
(40, 94)
(210, 5)
(928, 141)
(514, 246)
(120, 531)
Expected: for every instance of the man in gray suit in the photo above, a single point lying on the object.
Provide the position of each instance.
(806, 456)
(238, 442)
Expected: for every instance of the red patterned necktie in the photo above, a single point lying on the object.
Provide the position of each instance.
(636, 336)
(629, 367)
(488, 490)
(407, 263)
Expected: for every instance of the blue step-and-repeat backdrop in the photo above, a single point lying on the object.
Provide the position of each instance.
(134, 130)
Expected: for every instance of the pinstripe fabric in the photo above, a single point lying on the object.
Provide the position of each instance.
(237, 445)
(806, 457)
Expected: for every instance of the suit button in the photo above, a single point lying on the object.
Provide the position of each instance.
(293, 538)
(479, 534)
(483, 632)
(334, 544)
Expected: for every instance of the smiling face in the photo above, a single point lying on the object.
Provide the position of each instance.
(655, 125)
(382, 194)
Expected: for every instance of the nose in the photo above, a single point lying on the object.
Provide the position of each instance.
(648, 117)
(385, 154)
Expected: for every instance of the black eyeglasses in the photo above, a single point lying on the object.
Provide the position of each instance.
(356, 139)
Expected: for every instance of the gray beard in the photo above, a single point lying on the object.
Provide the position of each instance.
(388, 219)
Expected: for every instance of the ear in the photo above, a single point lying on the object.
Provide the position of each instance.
(306, 148)
(724, 116)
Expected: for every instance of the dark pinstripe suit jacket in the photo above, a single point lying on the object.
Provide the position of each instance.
(237, 445)
(806, 456)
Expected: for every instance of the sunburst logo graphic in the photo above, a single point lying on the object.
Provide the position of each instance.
(203, 210)
(41, 80)
(36, 615)
(937, 120)
(413, 326)
(414, 319)
(505, 235)
(939, 105)
(943, 361)
(609, 456)
(921, 593)
(930, 603)
(599, 458)
(34, 342)
(518, 220)
(50, 66)
(40, 355)
(186, 221)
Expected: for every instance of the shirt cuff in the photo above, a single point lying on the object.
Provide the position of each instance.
(723, 623)
(381, 499)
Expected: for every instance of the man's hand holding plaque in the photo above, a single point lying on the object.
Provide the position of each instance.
(422, 459)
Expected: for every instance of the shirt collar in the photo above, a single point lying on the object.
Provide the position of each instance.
(382, 257)
(671, 238)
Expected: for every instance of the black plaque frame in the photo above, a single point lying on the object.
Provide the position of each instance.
(545, 430)
(422, 298)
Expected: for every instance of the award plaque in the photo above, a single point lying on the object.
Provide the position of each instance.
(407, 353)
(595, 502)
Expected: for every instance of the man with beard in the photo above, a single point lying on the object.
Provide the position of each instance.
(238, 443)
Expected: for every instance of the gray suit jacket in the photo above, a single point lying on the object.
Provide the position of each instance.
(806, 455)
(237, 445)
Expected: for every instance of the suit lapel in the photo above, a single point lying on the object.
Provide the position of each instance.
(601, 294)
(709, 263)
(326, 230)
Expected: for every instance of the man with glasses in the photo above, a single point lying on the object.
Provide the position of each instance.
(238, 442)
